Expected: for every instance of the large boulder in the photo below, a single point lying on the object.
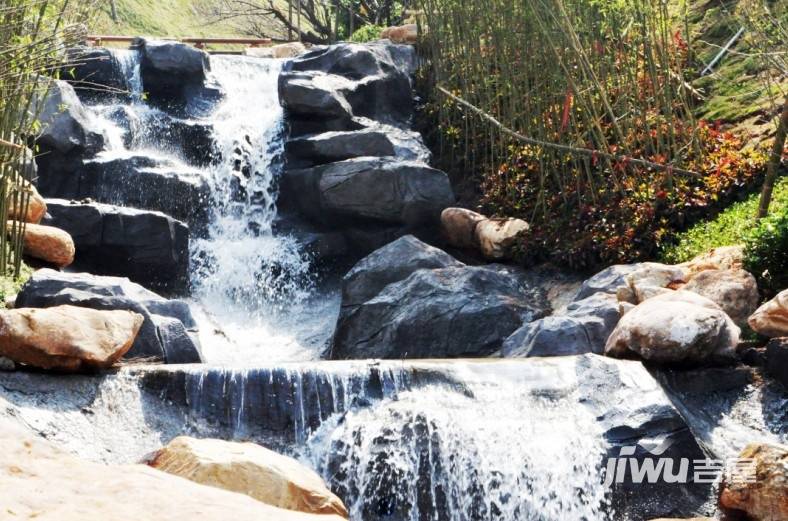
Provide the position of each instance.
(498, 237)
(758, 486)
(677, 327)
(606, 281)
(372, 141)
(67, 338)
(339, 81)
(36, 206)
(48, 288)
(459, 227)
(771, 319)
(649, 279)
(315, 94)
(439, 313)
(49, 244)
(391, 263)
(137, 181)
(149, 248)
(377, 189)
(734, 290)
(583, 327)
(94, 72)
(65, 124)
(249, 469)
(170, 69)
(40, 481)
(722, 258)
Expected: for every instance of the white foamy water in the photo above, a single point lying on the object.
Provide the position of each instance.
(498, 451)
(253, 289)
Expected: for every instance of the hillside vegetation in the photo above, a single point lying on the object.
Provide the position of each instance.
(170, 18)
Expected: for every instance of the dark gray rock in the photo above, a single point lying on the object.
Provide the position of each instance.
(158, 338)
(149, 248)
(777, 359)
(378, 189)
(606, 281)
(315, 95)
(169, 69)
(374, 141)
(191, 139)
(66, 126)
(583, 328)
(443, 313)
(549, 336)
(346, 80)
(391, 263)
(94, 72)
(599, 314)
(138, 181)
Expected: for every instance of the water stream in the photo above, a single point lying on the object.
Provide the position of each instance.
(253, 292)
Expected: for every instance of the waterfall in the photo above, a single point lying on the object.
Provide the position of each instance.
(251, 283)
(252, 291)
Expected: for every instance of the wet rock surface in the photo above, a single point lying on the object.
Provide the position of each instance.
(439, 313)
(150, 248)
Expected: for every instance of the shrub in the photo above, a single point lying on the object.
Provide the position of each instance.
(367, 33)
(766, 253)
(729, 228)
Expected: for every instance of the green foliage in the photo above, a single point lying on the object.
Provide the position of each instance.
(367, 33)
(766, 252)
(10, 285)
(730, 227)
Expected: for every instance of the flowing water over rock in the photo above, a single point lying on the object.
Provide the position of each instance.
(254, 293)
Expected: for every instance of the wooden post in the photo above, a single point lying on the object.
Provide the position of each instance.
(774, 163)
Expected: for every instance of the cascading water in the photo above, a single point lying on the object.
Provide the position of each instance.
(253, 292)
(254, 284)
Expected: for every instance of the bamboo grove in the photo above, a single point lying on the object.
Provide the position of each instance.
(608, 81)
(33, 35)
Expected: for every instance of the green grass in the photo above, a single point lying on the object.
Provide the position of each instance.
(10, 286)
(162, 18)
(729, 228)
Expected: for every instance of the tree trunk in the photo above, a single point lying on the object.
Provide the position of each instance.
(774, 163)
(113, 10)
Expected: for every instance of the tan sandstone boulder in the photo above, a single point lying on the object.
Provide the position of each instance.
(36, 207)
(734, 290)
(722, 258)
(67, 338)
(497, 237)
(49, 244)
(765, 497)
(459, 227)
(408, 33)
(771, 319)
(676, 327)
(283, 50)
(41, 482)
(649, 280)
(249, 469)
